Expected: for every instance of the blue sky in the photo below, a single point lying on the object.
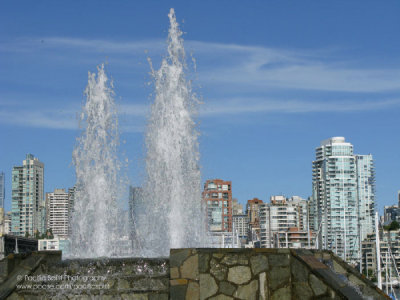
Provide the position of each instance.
(275, 77)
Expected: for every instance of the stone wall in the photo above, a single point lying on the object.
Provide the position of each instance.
(222, 274)
(188, 274)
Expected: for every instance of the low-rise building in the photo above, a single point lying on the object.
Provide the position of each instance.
(241, 226)
(389, 250)
(293, 237)
(53, 244)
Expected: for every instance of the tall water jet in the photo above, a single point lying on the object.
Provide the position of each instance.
(170, 214)
(95, 215)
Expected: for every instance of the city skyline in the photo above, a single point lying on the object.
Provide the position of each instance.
(275, 81)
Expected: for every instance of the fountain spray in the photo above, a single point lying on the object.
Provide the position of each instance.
(95, 212)
(171, 213)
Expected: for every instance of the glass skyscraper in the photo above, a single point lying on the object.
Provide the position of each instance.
(343, 200)
(27, 197)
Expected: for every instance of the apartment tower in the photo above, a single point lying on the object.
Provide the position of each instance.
(27, 204)
(343, 200)
(58, 210)
(217, 196)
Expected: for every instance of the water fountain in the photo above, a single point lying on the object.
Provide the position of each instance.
(170, 213)
(94, 220)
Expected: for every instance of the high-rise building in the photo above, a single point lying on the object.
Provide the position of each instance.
(217, 196)
(57, 210)
(283, 216)
(237, 208)
(253, 214)
(27, 197)
(366, 194)
(343, 200)
(390, 214)
(2, 190)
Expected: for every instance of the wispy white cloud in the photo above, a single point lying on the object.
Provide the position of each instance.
(132, 116)
(65, 43)
(262, 68)
(105, 45)
(226, 68)
(39, 119)
(249, 67)
(240, 106)
(66, 118)
(307, 76)
(53, 119)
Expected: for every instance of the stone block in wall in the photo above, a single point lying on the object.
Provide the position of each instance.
(190, 267)
(208, 286)
(178, 256)
(239, 274)
(226, 288)
(247, 291)
(258, 263)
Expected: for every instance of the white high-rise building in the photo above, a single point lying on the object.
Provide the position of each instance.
(58, 208)
(366, 194)
(343, 200)
(27, 197)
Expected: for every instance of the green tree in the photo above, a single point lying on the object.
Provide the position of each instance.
(37, 234)
(392, 226)
(49, 234)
